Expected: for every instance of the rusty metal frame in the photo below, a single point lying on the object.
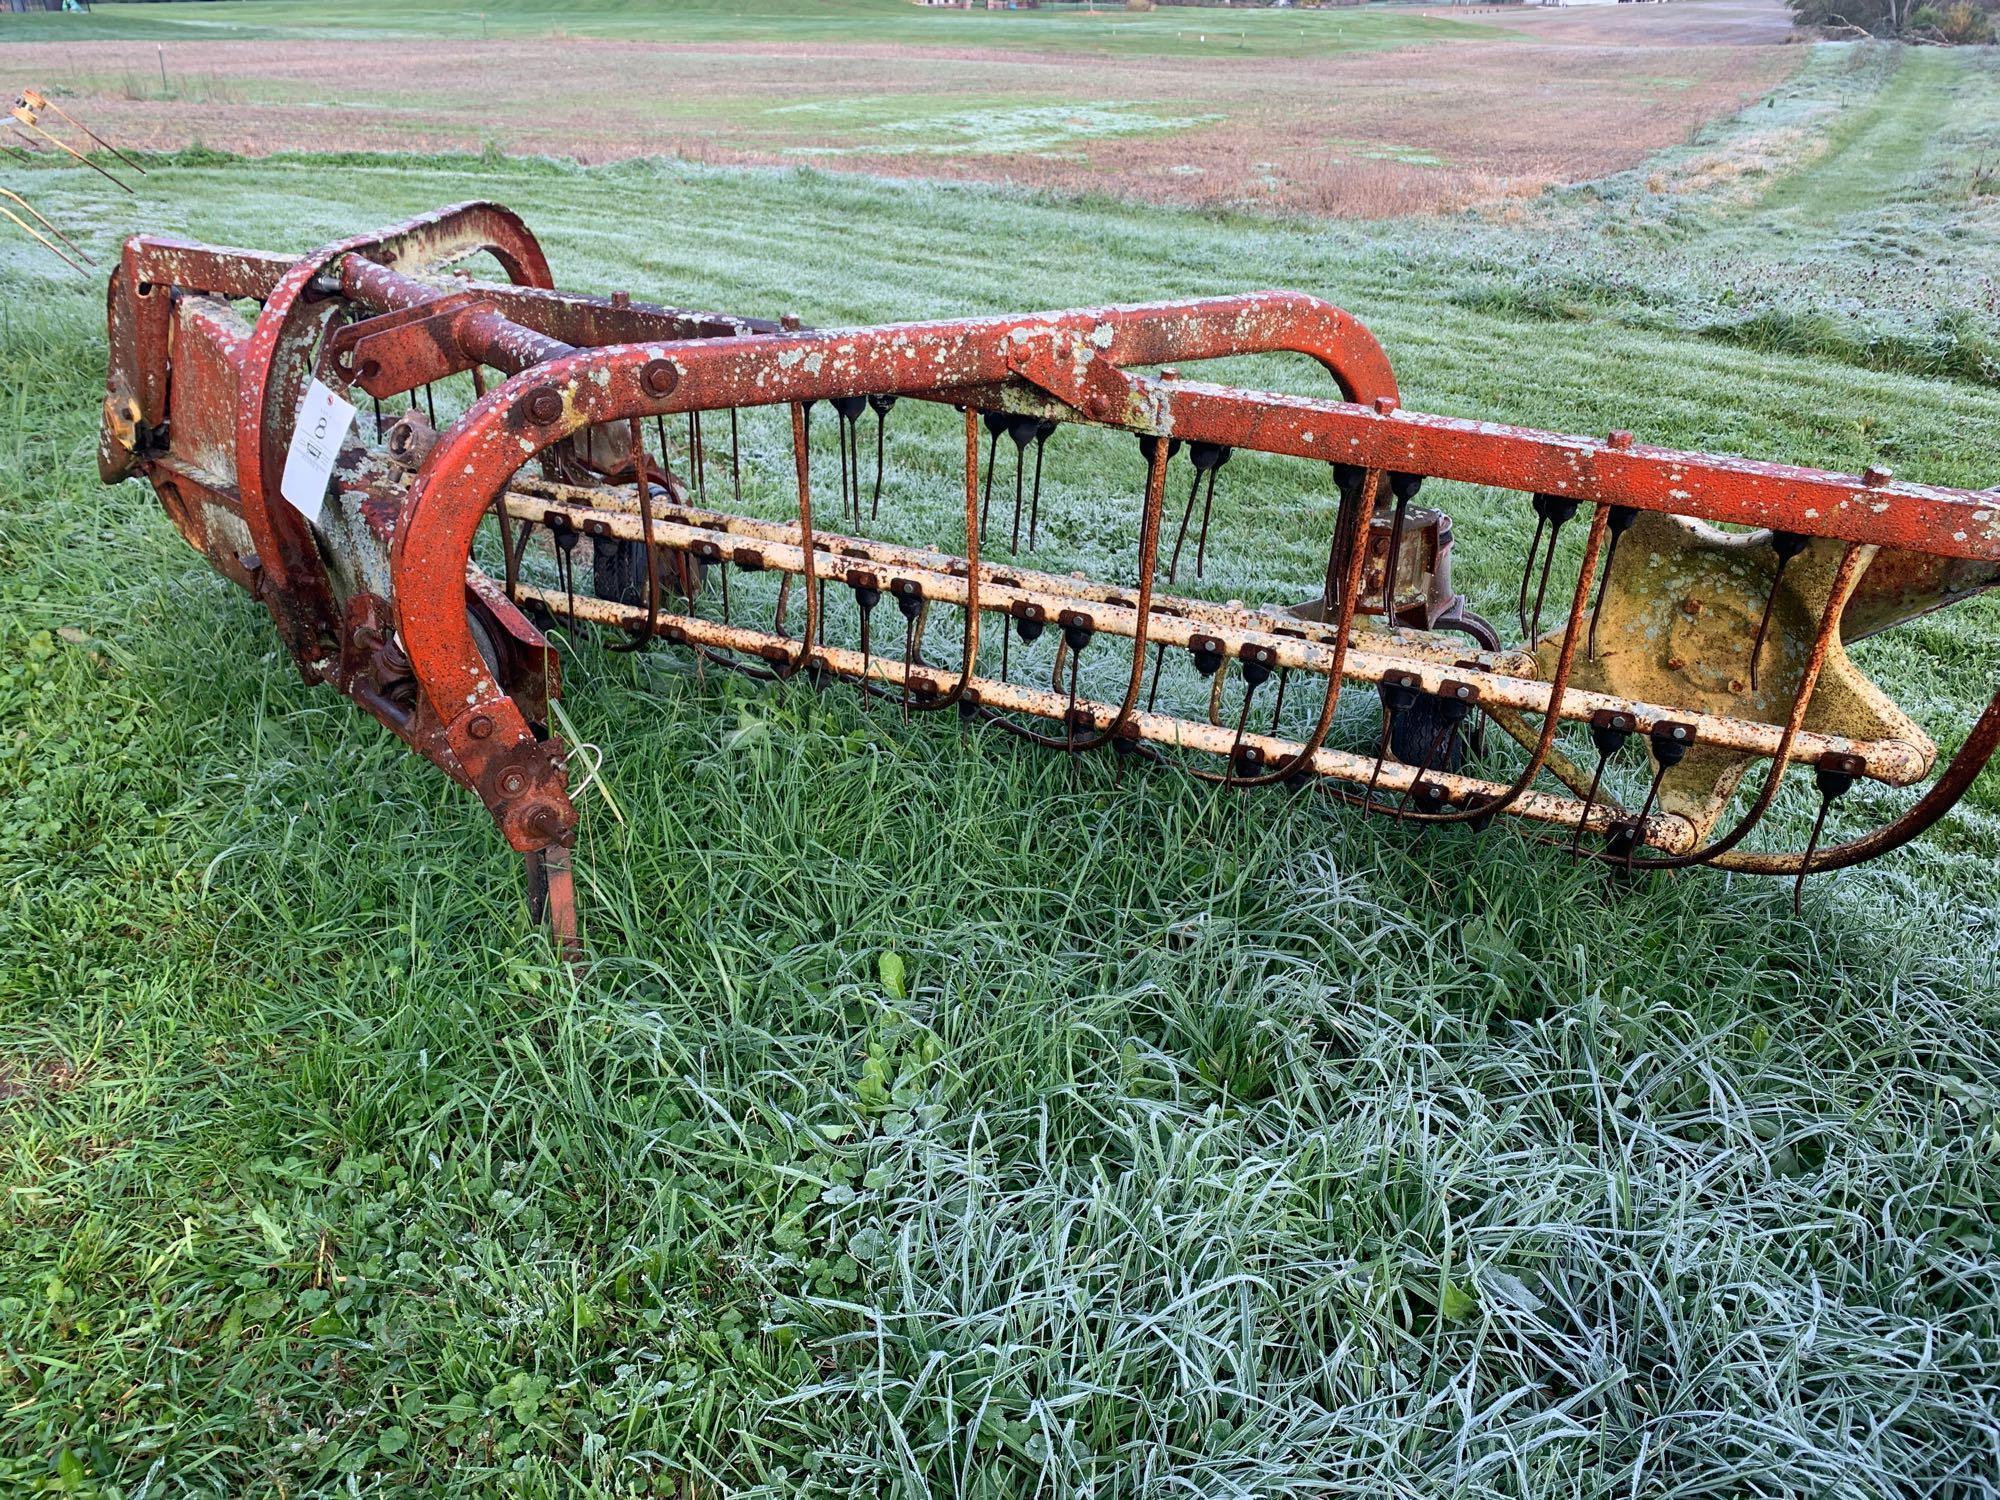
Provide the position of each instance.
(203, 407)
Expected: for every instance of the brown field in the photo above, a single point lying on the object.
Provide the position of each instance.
(1553, 97)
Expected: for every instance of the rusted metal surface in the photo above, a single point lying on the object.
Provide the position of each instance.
(1708, 651)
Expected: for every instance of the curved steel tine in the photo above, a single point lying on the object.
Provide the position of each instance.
(44, 220)
(46, 243)
(1788, 545)
(1527, 570)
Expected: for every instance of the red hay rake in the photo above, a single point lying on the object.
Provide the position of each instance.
(1706, 651)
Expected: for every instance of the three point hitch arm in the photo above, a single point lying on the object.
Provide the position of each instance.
(1703, 622)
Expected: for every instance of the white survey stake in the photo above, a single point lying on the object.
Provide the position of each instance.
(316, 438)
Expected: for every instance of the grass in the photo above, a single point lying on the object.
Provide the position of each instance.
(1111, 31)
(933, 1116)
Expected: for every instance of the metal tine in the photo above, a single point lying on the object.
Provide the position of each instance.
(45, 242)
(809, 576)
(735, 460)
(1021, 432)
(643, 487)
(34, 100)
(563, 537)
(1180, 536)
(1256, 669)
(514, 556)
(1398, 692)
(866, 597)
(1076, 634)
(1454, 715)
(1208, 459)
(996, 423)
(1617, 524)
(849, 409)
(910, 604)
(1348, 480)
(697, 457)
(1556, 511)
(1834, 774)
(27, 118)
(881, 406)
(1788, 545)
(1404, 487)
(1670, 742)
(1528, 569)
(1044, 429)
(43, 219)
(1609, 730)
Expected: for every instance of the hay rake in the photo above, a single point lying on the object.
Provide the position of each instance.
(419, 565)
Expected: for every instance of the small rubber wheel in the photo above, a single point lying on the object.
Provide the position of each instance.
(618, 570)
(1421, 731)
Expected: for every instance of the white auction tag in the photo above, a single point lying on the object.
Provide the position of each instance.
(322, 427)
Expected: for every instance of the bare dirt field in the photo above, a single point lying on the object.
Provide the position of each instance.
(1552, 97)
(1676, 23)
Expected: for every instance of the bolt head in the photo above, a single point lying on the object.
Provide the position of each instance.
(1877, 475)
(1619, 439)
(481, 727)
(790, 322)
(1384, 405)
(545, 405)
(659, 377)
